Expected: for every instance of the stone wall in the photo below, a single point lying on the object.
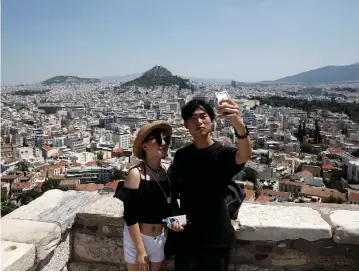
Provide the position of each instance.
(83, 231)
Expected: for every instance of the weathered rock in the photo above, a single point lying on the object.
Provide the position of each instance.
(97, 249)
(87, 266)
(55, 206)
(45, 236)
(59, 258)
(276, 223)
(17, 256)
(252, 267)
(346, 225)
(290, 257)
(105, 210)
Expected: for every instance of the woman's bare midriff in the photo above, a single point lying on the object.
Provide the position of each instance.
(152, 229)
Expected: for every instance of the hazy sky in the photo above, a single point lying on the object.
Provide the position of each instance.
(246, 40)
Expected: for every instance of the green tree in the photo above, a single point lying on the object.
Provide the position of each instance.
(250, 174)
(99, 156)
(23, 167)
(355, 153)
(28, 196)
(118, 174)
(317, 137)
(298, 169)
(4, 195)
(306, 147)
(259, 143)
(230, 136)
(7, 208)
(300, 134)
(49, 184)
(331, 199)
(269, 187)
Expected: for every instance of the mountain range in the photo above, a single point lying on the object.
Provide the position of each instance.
(327, 74)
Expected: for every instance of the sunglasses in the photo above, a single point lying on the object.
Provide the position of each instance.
(158, 137)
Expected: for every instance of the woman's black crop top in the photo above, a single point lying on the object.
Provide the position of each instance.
(147, 204)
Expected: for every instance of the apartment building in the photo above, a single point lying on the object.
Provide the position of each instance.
(92, 174)
(123, 139)
(76, 144)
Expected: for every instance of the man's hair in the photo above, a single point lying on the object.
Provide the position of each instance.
(191, 106)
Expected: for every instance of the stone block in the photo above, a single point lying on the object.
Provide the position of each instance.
(97, 248)
(346, 224)
(253, 267)
(17, 256)
(44, 236)
(337, 262)
(105, 210)
(290, 257)
(59, 258)
(92, 266)
(276, 223)
(55, 206)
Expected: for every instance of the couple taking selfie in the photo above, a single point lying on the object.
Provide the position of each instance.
(198, 178)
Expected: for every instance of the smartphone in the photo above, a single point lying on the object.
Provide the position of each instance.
(182, 219)
(221, 95)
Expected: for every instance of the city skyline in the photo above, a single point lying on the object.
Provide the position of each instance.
(245, 41)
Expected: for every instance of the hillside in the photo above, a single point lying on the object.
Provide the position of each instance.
(328, 74)
(158, 76)
(120, 78)
(70, 79)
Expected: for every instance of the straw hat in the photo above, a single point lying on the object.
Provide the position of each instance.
(144, 132)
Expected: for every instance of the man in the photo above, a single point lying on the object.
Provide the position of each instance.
(200, 176)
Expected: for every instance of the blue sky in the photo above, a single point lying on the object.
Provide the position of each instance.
(246, 40)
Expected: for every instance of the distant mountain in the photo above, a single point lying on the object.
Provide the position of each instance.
(69, 79)
(327, 74)
(215, 81)
(121, 78)
(196, 79)
(158, 76)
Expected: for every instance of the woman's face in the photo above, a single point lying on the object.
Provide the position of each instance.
(156, 144)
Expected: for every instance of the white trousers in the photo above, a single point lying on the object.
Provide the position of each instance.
(154, 247)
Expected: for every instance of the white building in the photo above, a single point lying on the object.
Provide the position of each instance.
(123, 139)
(315, 181)
(84, 157)
(76, 144)
(353, 171)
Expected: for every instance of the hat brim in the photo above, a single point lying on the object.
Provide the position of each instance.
(144, 132)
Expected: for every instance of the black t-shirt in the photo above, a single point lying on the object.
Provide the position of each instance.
(200, 178)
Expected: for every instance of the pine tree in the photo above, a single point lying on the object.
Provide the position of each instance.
(317, 136)
(304, 130)
(346, 131)
(300, 132)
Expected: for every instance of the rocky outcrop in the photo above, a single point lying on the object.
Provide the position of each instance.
(158, 76)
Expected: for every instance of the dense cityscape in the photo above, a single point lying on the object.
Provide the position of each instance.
(76, 134)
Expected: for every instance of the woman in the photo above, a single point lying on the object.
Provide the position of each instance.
(147, 198)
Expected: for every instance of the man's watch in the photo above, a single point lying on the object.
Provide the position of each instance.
(241, 136)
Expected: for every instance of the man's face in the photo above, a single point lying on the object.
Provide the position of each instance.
(199, 124)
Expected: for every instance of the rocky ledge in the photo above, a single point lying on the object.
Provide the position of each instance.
(83, 231)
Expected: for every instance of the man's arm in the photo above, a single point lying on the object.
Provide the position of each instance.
(228, 109)
(244, 152)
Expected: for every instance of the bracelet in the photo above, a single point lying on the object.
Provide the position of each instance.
(243, 136)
